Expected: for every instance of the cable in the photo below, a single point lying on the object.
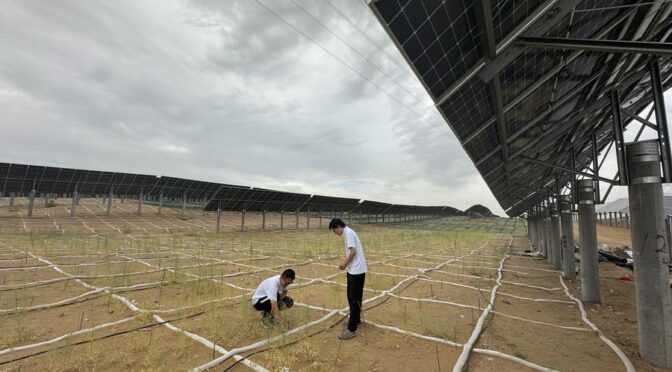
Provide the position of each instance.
(359, 54)
(346, 64)
(354, 25)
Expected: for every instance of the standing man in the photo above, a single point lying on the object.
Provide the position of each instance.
(271, 292)
(355, 262)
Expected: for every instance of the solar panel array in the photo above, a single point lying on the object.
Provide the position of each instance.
(21, 179)
(505, 100)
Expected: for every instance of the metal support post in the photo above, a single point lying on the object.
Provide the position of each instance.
(242, 221)
(184, 205)
(282, 220)
(31, 202)
(590, 277)
(219, 219)
(296, 219)
(652, 279)
(46, 200)
(627, 220)
(668, 230)
(109, 201)
(620, 219)
(160, 204)
(140, 199)
(11, 201)
(263, 220)
(556, 236)
(611, 219)
(619, 143)
(661, 120)
(320, 218)
(75, 196)
(307, 219)
(548, 249)
(568, 262)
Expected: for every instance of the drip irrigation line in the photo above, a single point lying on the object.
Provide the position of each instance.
(100, 338)
(301, 339)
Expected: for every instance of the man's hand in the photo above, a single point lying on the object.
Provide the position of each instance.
(343, 265)
(275, 310)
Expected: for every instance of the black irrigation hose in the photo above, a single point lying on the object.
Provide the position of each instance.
(296, 341)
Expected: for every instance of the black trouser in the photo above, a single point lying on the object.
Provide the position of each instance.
(355, 294)
(264, 305)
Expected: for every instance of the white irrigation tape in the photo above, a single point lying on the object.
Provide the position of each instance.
(626, 362)
(210, 345)
(73, 334)
(255, 345)
(464, 356)
(187, 274)
(50, 305)
(23, 222)
(531, 286)
(430, 300)
(438, 340)
(455, 284)
(535, 299)
(200, 304)
(541, 323)
(105, 222)
(134, 308)
(535, 269)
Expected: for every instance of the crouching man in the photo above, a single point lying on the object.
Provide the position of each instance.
(271, 295)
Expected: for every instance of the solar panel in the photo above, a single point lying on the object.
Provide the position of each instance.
(372, 207)
(506, 100)
(320, 203)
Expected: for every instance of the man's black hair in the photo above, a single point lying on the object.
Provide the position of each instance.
(336, 223)
(289, 274)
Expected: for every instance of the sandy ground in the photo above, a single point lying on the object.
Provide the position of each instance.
(200, 282)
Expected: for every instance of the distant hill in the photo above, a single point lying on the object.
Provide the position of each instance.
(478, 210)
(622, 205)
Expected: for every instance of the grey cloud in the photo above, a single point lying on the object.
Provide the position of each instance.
(222, 91)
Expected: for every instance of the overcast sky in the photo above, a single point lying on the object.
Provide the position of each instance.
(227, 91)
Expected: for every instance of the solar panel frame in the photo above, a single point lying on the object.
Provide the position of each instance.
(542, 90)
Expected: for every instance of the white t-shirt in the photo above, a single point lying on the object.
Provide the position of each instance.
(358, 263)
(269, 288)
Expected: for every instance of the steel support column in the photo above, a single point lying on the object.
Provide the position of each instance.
(140, 199)
(556, 238)
(219, 219)
(31, 202)
(651, 258)
(75, 196)
(109, 201)
(242, 221)
(568, 263)
(590, 278)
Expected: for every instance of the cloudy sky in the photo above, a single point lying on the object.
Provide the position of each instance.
(283, 94)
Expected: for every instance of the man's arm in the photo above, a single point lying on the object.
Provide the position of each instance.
(275, 309)
(351, 254)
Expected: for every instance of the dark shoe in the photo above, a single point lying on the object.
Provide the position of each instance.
(347, 334)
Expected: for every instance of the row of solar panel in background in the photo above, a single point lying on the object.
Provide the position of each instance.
(276, 201)
(20, 180)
